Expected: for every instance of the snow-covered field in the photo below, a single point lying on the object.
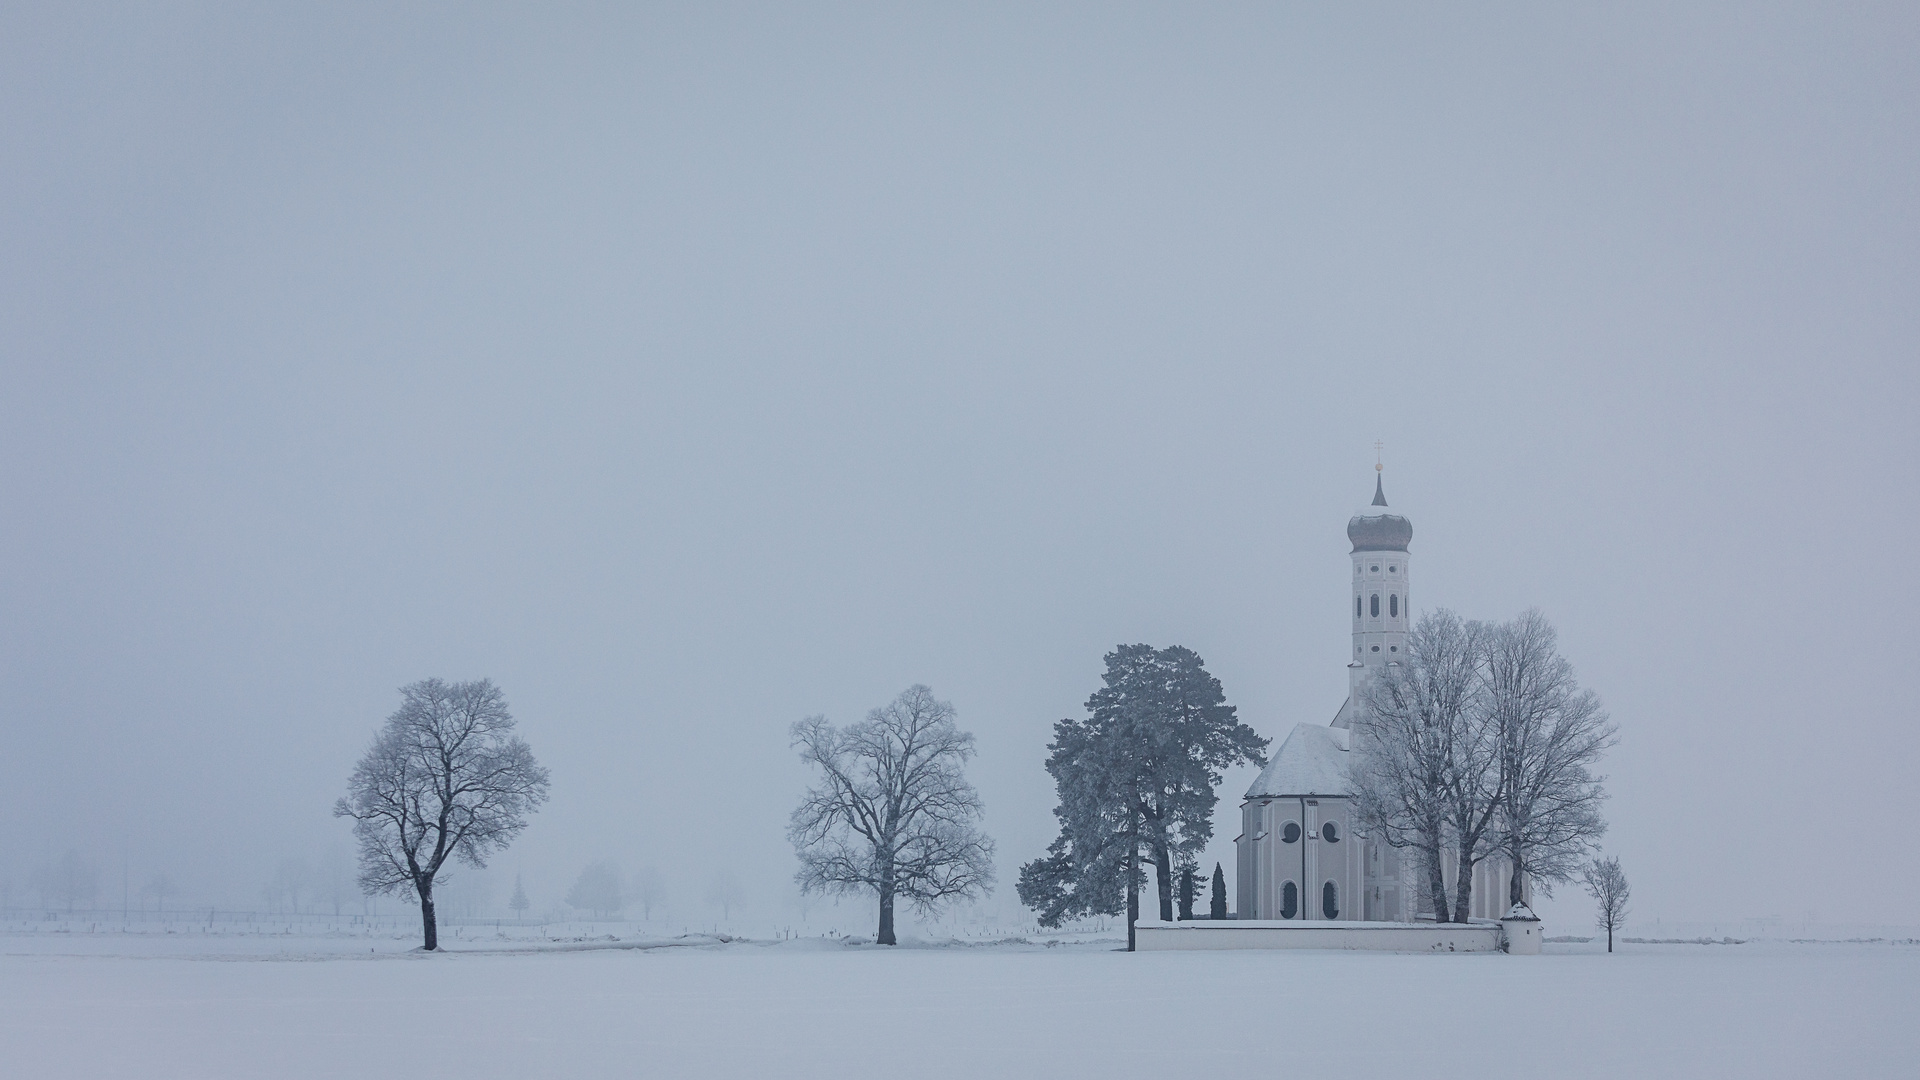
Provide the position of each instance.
(245, 1006)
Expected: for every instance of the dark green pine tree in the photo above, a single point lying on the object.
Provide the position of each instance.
(1137, 779)
(1219, 899)
(1189, 884)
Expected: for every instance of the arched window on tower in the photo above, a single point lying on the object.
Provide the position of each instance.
(1356, 607)
(1289, 901)
(1330, 901)
(1376, 605)
(1393, 605)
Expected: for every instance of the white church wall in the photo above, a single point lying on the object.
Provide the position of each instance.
(1153, 936)
(1269, 862)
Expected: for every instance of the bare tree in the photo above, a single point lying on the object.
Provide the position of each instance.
(1416, 744)
(724, 892)
(69, 881)
(160, 886)
(893, 812)
(1608, 887)
(445, 778)
(334, 880)
(1550, 735)
(1482, 744)
(649, 884)
(283, 890)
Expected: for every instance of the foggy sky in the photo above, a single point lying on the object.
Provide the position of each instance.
(692, 370)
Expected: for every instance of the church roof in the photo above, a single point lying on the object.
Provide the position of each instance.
(1312, 761)
(1375, 528)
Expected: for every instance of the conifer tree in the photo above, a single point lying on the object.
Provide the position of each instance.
(1218, 904)
(1189, 884)
(1137, 780)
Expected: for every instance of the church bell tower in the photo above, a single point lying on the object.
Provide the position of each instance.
(1380, 609)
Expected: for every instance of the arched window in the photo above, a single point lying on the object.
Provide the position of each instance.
(1356, 607)
(1330, 901)
(1376, 605)
(1393, 605)
(1330, 832)
(1289, 901)
(1290, 832)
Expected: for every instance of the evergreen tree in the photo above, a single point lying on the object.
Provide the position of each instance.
(519, 903)
(1136, 780)
(1218, 903)
(1189, 884)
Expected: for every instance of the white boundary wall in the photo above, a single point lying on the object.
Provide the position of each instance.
(1304, 934)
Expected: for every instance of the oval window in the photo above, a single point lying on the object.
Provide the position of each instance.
(1330, 901)
(1376, 605)
(1289, 901)
(1393, 569)
(1290, 832)
(1393, 605)
(1330, 833)
(1375, 569)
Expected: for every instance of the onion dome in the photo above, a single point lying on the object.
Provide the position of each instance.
(1375, 529)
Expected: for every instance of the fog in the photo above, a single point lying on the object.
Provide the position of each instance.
(692, 370)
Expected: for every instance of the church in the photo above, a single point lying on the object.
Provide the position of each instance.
(1300, 853)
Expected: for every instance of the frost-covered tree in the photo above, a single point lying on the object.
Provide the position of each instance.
(649, 885)
(68, 881)
(161, 887)
(1421, 767)
(1481, 743)
(445, 778)
(334, 878)
(519, 903)
(724, 892)
(1217, 903)
(288, 884)
(893, 813)
(1137, 781)
(597, 889)
(1608, 887)
(1550, 734)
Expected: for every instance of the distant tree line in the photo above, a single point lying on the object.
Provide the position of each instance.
(1481, 743)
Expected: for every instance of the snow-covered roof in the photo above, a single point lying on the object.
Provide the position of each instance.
(1312, 761)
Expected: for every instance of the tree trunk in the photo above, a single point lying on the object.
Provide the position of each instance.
(1163, 872)
(427, 925)
(1133, 896)
(1462, 887)
(885, 936)
(1437, 887)
(1609, 937)
(1515, 886)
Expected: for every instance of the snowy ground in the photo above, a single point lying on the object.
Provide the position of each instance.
(159, 1005)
